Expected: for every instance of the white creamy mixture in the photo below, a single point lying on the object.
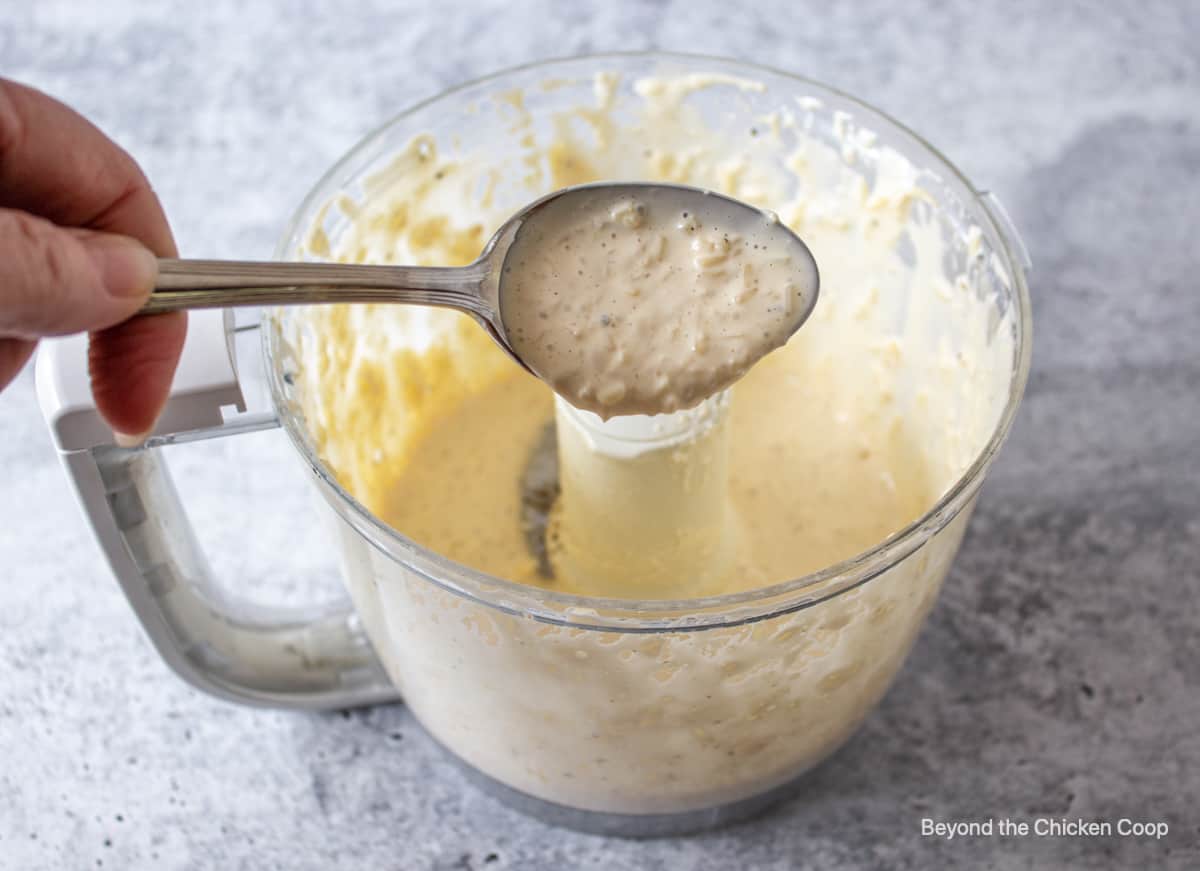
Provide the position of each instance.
(838, 440)
(650, 303)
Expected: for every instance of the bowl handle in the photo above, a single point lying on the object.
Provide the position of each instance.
(315, 658)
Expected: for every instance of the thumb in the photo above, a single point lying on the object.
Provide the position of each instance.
(55, 281)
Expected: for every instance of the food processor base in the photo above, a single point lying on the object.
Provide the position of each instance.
(630, 825)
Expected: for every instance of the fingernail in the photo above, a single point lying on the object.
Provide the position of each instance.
(124, 440)
(126, 267)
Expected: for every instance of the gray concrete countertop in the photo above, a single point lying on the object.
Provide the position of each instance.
(1059, 674)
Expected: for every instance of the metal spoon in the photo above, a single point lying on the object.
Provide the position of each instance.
(475, 289)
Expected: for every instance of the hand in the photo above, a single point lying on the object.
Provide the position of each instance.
(79, 231)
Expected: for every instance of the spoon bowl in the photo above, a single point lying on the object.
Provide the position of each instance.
(477, 289)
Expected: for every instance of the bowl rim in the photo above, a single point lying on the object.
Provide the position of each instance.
(655, 615)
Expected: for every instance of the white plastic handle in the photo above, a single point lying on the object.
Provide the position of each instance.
(232, 649)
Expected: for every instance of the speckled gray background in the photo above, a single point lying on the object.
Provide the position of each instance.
(1060, 672)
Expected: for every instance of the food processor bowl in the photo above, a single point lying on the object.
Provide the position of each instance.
(646, 717)
(608, 715)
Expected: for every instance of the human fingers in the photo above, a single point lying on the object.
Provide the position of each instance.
(57, 164)
(54, 281)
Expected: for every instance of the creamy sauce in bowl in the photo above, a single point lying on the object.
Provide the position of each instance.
(650, 302)
(829, 446)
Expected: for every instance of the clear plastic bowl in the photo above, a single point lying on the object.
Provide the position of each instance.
(659, 716)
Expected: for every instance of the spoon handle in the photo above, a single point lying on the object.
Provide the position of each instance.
(186, 284)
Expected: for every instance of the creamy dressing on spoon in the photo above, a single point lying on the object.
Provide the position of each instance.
(651, 302)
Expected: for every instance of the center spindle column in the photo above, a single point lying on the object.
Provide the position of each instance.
(643, 511)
